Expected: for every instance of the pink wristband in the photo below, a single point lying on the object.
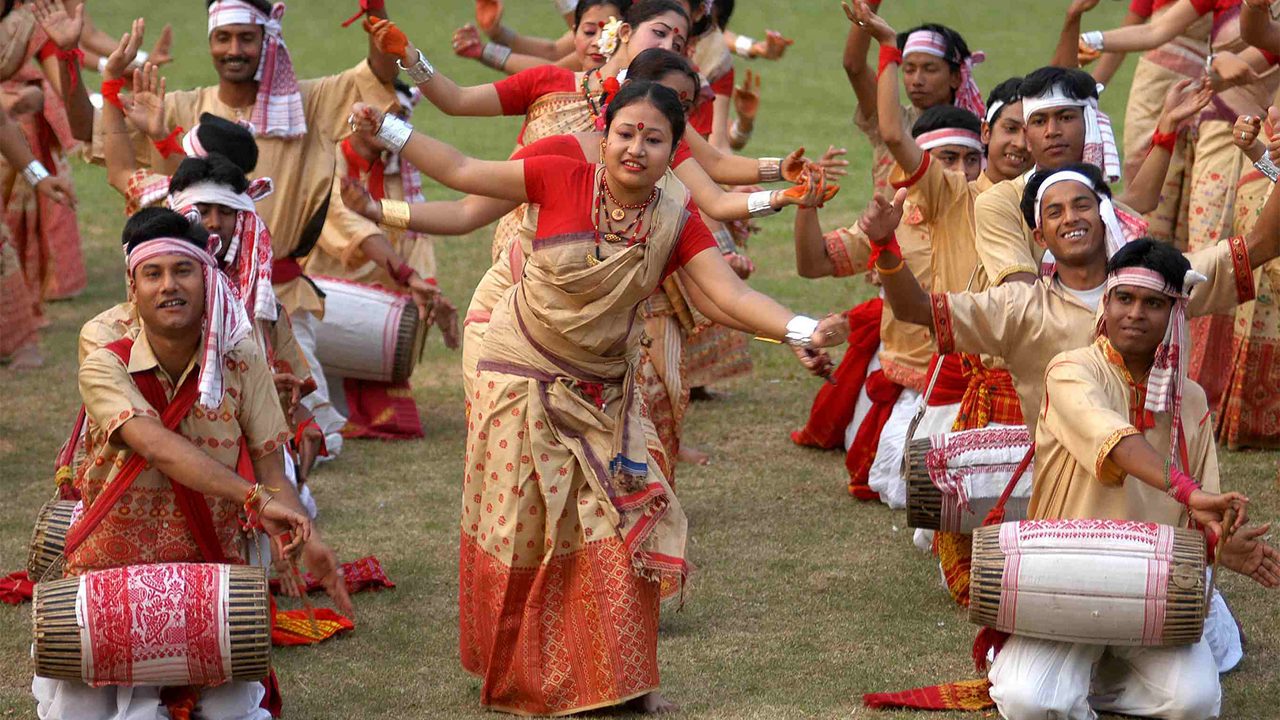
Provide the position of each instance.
(1181, 485)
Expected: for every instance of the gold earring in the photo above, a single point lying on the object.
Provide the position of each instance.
(603, 142)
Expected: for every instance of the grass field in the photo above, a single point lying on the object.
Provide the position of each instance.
(804, 598)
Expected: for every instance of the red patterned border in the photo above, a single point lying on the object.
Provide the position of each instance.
(925, 159)
(838, 252)
(943, 327)
(1245, 289)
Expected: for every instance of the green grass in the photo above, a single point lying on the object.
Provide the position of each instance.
(804, 598)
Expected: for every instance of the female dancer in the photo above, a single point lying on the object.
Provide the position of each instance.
(577, 50)
(570, 533)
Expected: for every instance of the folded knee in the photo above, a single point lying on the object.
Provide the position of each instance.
(1195, 701)
(1026, 701)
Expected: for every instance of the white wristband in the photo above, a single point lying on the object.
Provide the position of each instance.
(800, 330)
(1267, 167)
(1092, 40)
(742, 46)
(736, 136)
(142, 57)
(760, 203)
(102, 64)
(566, 6)
(34, 172)
(394, 133)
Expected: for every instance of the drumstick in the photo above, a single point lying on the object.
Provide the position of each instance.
(1228, 520)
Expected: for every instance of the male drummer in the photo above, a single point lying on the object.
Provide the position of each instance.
(297, 125)
(1125, 435)
(191, 357)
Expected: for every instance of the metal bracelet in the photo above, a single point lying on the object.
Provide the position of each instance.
(724, 241)
(1092, 40)
(34, 172)
(800, 330)
(770, 169)
(742, 46)
(736, 136)
(494, 55)
(1267, 167)
(394, 133)
(760, 203)
(420, 72)
(395, 214)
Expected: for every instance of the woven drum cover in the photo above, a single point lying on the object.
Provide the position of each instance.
(367, 333)
(162, 624)
(49, 536)
(954, 479)
(1105, 582)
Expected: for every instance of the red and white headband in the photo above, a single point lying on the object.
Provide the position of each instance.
(949, 136)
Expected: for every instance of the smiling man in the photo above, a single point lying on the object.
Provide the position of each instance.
(297, 125)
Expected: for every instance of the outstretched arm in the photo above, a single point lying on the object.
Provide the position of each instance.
(440, 217)
(889, 110)
(1110, 62)
(717, 204)
(861, 77)
(452, 99)
(1152, 35)
(1065, 54)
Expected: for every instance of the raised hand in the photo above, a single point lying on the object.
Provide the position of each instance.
(162, 52)
(388, 38)
(772, 47)
(145, 106)
(1185, 99)
(881, 218)
(489, 15)
(120, 59)
(861, 14)
(63, 28)
(833, 162)
(794, 165)
(357, 199)
(1086, 54)
(746, 97)
(467, 42)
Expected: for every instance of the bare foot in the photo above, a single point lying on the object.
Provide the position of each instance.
(27, 357)
(654, 704)
(690, 454)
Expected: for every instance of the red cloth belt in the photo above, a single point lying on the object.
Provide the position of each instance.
(285, 269)
(949, 388)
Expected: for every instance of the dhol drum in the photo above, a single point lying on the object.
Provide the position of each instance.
(1103, 582)
(954, 479)
(49, 536)
(368, 333)
(163, 624)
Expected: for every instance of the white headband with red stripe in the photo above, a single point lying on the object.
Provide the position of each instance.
(933, 43)
(949, 136)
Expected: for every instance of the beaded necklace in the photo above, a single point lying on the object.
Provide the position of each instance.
(632, 233)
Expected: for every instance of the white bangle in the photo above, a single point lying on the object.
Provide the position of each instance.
(34, 172)
(760, 203)
(1092, 40)
(394, 133)
(1267, 167)
(566, 6)
(420, 72)
(800, 330)
(736, 136)
(102, 64)
(494, 55)
(142, 57)
(742, 46)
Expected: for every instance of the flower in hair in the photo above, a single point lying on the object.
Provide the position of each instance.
(608, 39)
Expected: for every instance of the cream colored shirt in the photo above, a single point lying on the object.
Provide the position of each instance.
(1091, 404)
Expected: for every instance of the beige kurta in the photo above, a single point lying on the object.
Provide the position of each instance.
(338, 254)
(301, 168)
(1091, 404)
(1027, 324)
(146, 526)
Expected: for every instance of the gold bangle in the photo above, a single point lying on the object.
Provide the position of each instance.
(395, 214)
(890, 271)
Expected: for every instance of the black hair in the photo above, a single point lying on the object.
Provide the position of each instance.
(230, 139)
(721, 11)
(402, 86)
(1089, 170)
(215, 168)
(957, 49)
(156, 222)
(1006, 92)
(647, 9)
(262, 5)
(1152, 255)
(939, 117)
(585, 5)
(655, 63)
(660, 96)
(1077, 84)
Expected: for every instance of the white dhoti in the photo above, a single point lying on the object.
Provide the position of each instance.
(886, 472)
(318, 402)
(69, 700)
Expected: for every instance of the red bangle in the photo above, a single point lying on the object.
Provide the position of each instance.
(111, 92)
(1163, 140)
(1181, 485)
(73, 58)
(891, 248)
(889, 54)
(365, 6)
(402, 273)
(170, 145)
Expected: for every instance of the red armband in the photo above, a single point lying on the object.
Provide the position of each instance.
(891, 248)
(402, 273)
(365, 7)
(111, 92)
(73, 58)
(889, 54)
(1163, 140)
(170, 145)
(1181, 485)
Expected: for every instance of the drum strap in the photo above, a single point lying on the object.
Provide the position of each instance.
(996, 516)
(191, 503)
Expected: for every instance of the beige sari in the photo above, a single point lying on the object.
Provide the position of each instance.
(570, 532)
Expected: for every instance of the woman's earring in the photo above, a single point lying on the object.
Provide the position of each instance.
(603, 143)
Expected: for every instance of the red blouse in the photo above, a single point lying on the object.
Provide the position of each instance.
(519, 91)
(564, 187)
